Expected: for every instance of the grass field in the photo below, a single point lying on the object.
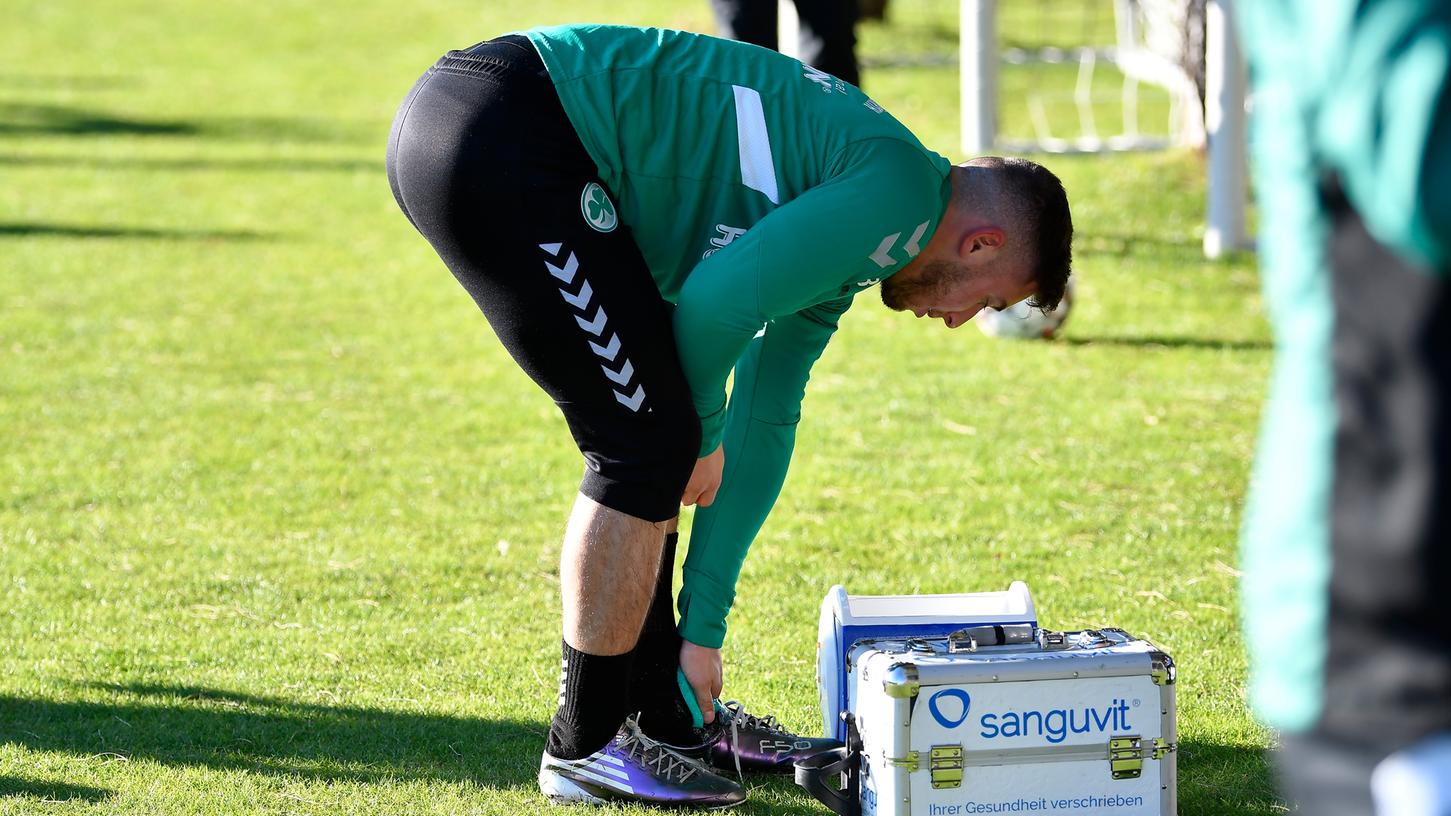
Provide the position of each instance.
(279, 520)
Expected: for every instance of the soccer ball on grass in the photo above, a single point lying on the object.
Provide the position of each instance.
(1022, 321)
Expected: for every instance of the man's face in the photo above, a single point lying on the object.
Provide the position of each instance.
(955, 293)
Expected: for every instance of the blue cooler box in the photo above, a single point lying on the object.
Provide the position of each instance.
(848, 619)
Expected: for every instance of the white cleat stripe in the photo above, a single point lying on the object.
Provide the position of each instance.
(611, 770)
(607, 781)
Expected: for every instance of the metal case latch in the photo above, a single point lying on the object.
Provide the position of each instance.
(973, 637)
(1126, 757)
(1051, 641)
(1163, 748)
(946, 766)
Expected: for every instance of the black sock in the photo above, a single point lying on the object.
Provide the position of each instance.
(654, 690)
(661, 617)
(592, 703)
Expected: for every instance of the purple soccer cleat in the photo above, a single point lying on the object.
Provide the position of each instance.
(635, 768)
(744, 742)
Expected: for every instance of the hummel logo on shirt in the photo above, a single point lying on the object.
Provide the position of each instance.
(827, 82)
(883, 254)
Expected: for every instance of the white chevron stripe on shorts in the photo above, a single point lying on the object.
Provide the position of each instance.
(597, 326)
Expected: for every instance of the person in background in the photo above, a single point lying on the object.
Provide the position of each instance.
(1347, 538)
(827, 32)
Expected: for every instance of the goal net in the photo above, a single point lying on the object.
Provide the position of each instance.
(1093, 76)
(1060, 76)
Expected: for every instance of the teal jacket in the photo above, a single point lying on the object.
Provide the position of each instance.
(1360, 89)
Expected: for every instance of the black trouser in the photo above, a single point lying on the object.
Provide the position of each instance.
(485, 163)
(828, 30)
(1387, 680)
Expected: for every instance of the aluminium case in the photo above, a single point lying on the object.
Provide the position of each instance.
(1078, 723)
(846, 619)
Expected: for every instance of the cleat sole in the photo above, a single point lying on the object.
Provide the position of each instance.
(564, 790)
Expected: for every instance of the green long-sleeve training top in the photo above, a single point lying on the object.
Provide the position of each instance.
(764, 195)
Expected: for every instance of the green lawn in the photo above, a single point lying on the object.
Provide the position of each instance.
(279, 520)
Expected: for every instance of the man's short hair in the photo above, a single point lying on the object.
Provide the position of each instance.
(1035, 199)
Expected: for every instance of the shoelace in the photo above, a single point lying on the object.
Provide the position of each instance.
(736, 714)
(651, 753)
(769, 723)
(736, 749)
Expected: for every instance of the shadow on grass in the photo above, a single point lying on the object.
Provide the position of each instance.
(1216, 779)
(38, 230)
(27, 119)
(225, 164)
(178, 725)
(194, 726)
(1159, 341)
(58, 120)
(49, 791)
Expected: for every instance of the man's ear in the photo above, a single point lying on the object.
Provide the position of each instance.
(982, 238)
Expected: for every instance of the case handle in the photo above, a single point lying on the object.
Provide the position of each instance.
(812, 773)
(969, 639)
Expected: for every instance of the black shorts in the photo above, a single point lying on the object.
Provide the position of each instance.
(486, 165)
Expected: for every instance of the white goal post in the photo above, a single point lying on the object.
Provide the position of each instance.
(1218, 126)
(1224, 119)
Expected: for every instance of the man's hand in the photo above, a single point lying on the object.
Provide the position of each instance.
(703, 671)
(704, 482)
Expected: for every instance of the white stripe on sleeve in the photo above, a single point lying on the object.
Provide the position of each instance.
(758, 172)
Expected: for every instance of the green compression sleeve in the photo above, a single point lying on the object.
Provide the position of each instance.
(760, 433)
